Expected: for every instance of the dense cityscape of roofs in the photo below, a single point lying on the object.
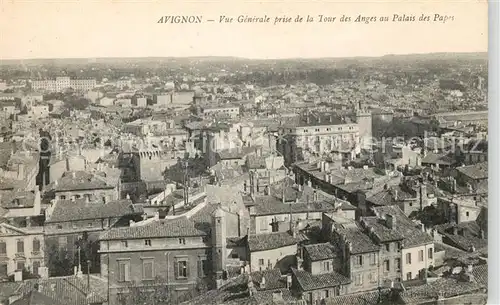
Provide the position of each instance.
(198, 181)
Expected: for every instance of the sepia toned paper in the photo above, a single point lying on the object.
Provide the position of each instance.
(243, 152)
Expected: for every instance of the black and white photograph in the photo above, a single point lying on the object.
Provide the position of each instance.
(321, 153)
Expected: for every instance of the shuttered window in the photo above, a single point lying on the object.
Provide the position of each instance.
(36, 245)
(147, 269)
(20, 246)
(3, 247)
(181, 268)
(123, 271)
(202, 267)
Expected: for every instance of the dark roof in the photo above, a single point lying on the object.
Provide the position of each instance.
(363, 298)
(273, 279)
(66, 210)
(361, 243)
(35, 298)
(69, 290)
(308, 281)
(263, 242)
(178, 227)
(412, 235)
(476, 171)
(80, 181)
(447, 287)
(381, 231)
(269, 205)
(15, 199)
(318, 252)
(438, 158)
(480, 274)
(465, 243)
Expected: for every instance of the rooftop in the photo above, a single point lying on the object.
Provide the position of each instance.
(308, 281)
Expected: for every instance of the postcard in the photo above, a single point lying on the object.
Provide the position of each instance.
(244, 152)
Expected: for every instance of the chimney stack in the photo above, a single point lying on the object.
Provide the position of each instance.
(390, 221)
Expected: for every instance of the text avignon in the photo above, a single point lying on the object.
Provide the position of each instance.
(180, 19)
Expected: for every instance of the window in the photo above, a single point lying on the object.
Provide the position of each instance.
(203, 267)
(36, 266)
(397, 263)
(359, 280)
(387, 265)
(467, 214)
(147, 242)
(63, 242)
(36, 245)
(359, 260)
(63, 197)
(387, 247)
(123, 271)
(89, 225)
(235, 255)
(59, 227)
(326, 294)
(77, 196)
(408, 276)
(408, 258)
(3, 248)
(261, 262)
(182, 241)
(3, 270)
(398, 246)
(20, 266)
(20, 246)
(124, 244)
(421, 255)
(372, 278)
(430, 253)
(147, 269)
(326, 266)
(373, 259)
(182, 269)
(410, 203)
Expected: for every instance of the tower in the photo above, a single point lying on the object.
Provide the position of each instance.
(219, 248)
(364, 120)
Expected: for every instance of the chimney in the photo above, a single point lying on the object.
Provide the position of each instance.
(481, 234)
(144, 216)
(422, 227)
(131, 223)
(395, 194)
(390, 221)
(18, 276)
(469, 268)
(263, 283)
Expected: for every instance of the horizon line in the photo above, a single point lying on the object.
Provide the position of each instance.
(242, 57)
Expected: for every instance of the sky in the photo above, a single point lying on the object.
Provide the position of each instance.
(119, 28)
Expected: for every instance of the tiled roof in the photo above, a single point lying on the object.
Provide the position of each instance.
(475, 171)
(178, 227)
(438, 158)
(464, 243)
(448, 287)
(308, 281)
(273, 279)
(480, 274)
(361, 243)
(36, 298)
(381, 231)
(66, 210)
(17, 199)
(317, 252)
(263, 242)
(363, 298)
(80, 181)
(70, 290)
(402, 224)
(269, 205)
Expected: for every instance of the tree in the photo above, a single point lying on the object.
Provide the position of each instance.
(60, 263)
(429, 216)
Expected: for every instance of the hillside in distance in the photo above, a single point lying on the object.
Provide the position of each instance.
(239, 60)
